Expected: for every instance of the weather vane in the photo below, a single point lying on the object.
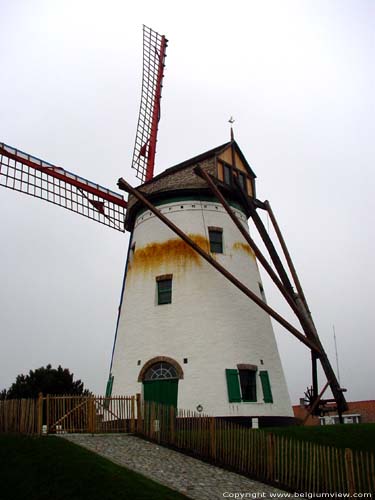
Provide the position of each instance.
(231, 121)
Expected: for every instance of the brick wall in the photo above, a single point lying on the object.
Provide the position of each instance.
(364, 408)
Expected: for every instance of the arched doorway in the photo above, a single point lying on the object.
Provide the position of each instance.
(160, 378)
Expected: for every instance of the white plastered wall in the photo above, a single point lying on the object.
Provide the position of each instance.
(210, 322)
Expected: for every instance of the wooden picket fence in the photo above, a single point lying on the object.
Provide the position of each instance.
(19, 416)
(288, 463)
(285, 462)
(69, 414)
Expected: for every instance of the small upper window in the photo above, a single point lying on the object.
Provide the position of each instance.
(164, 288)
(216, 240)
(242, 181)
(227, 174)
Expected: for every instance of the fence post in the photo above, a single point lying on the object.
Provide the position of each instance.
(132, 414)
(152, 421)
(213, 438)
(91, 414)
(88, 406)
(47, 413)
(139, 412)
(172, 424)
(40, 414)
(271, 456)
(349, 470)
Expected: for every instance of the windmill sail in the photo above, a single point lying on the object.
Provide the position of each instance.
(154, 48)
(30, 175)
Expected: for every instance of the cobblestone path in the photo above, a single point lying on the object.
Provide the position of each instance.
(195, 479)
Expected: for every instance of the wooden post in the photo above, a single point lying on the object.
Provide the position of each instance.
(271, 457)
(40, 414)
(212, 438)
(47, 413)
(139, 412)
(91, 414)
(349, 471)
(171, 424)
(152, 421)
(132, 415)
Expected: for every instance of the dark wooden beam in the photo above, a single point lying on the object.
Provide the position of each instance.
(123, 185)
(313, 335)
(262, 259)
(286, 253)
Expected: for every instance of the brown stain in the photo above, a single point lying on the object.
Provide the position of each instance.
(245, 248)
(174, 251)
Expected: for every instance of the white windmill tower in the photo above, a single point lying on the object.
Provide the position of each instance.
(187, 336)
(193, 327)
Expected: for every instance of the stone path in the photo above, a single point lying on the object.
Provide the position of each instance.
(195, 479)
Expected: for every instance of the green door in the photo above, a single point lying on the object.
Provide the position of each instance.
(161, 391)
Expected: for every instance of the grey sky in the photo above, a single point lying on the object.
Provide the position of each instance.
(298, 76)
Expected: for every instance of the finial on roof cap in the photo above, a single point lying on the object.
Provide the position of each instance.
(231, 121)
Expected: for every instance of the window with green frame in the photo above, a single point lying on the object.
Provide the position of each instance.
(164, 289)
(216, 239)
(241, 385)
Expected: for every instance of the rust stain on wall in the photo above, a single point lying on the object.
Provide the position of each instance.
(174, 251)
(239, 245)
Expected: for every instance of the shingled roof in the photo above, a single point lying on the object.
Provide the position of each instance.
(202, 157)
(181, 179)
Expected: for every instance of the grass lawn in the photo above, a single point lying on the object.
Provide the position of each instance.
(355, 436)
(50, 468)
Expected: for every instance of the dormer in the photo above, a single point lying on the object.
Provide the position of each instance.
(231, 164)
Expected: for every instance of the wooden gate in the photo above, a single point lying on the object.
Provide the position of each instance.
(88, 414)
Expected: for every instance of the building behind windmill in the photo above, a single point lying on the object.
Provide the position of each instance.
(186, 336)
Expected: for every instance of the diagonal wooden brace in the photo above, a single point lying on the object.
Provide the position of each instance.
(290, 298)
(123, 185)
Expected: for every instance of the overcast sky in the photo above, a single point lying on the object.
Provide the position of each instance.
(298, 77)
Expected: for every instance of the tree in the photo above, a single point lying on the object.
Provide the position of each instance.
(47, 380)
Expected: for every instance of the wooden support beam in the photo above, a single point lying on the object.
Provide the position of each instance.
(286, 253)
(123, 185)
(314, 374)
(305, 311)
(290, 298)
(251, 206)
(310, 331)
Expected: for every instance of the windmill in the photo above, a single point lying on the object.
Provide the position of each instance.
(193, 327)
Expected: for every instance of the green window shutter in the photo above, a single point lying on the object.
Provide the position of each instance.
(266, 386)
(233, 384)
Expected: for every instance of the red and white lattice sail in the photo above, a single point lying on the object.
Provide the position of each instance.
(30, 175)
(154, 52)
